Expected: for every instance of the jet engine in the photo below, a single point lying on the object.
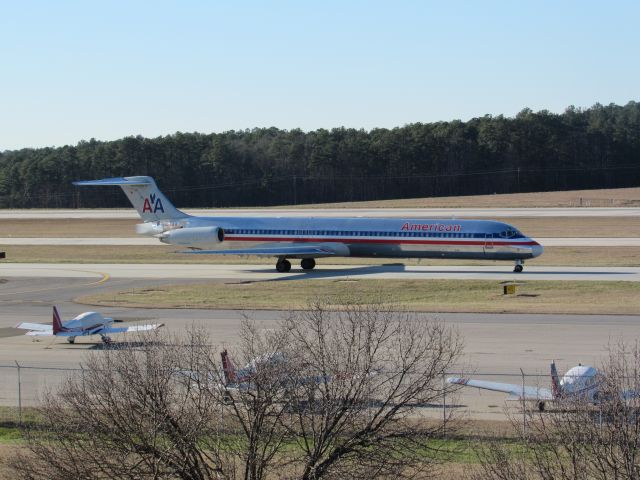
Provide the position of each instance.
(193, 236)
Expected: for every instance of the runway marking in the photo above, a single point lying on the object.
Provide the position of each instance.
(104, 278)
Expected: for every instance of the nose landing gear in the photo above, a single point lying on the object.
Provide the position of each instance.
(519, 266)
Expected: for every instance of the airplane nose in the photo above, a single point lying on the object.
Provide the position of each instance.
(536, 250)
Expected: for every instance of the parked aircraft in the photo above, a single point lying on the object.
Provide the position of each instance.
(87, 323)
(310, 238)
(580, 380)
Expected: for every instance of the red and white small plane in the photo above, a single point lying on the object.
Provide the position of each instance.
(87, 323)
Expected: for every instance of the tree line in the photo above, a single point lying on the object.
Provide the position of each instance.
(597, 147)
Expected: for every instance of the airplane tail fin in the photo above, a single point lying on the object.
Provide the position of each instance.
(144, 195)
(556, 388)
(57, 323)
(228, 367)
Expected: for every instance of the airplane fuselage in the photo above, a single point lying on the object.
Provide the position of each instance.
(387, 237)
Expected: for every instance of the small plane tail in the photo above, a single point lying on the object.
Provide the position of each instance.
(57, 323)
(144, 195)
(228, 367)
(556, 388)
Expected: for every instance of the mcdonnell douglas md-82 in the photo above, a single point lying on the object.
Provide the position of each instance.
(309, 238)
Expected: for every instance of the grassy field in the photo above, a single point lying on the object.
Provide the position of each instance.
(553, 256)
(534, 227)
(455, 464)
(414, 295)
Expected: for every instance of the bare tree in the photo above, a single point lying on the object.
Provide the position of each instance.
(258, 399)
(586, 437)
(325, 394)
(363, 375)
(130, 414)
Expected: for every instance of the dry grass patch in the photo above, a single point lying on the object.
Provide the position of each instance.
(69, 228)
(532, 226)
(612, 197)
(415, 295)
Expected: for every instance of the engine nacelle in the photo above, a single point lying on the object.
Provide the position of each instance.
(193, 236)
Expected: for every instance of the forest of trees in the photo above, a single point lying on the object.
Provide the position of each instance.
(598, 147)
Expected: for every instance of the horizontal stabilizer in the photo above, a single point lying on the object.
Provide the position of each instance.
(115, 181)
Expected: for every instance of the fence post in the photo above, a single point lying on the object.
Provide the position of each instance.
(524, 409)
(19, 395)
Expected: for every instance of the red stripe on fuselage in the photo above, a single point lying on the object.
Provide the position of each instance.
(376, 240)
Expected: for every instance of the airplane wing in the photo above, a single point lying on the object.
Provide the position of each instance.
(36, 327)
(132, 328)
(277, 251)
(528, 393)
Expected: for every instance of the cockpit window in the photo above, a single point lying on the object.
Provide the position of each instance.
(510, 232)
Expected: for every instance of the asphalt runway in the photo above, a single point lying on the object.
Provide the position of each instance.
(496, 345)
(340, 212)
(242, 272)
(146, 241)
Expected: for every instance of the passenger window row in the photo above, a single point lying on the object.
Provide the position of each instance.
(357, 233)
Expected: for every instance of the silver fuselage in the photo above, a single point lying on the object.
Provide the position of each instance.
(369, 237)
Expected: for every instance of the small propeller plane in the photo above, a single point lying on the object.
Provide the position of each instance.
(87, 323)
(579, 380)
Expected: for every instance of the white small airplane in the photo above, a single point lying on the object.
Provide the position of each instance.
(580, 380)
(242, 379)
(87, 323)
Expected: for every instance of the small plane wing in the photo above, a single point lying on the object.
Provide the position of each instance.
(528, 393)
(36, 327)
(311, 250)
(132, 328)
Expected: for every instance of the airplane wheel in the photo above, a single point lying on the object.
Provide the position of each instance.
(283, 266)
(71, 339)
(308, 264)
(541, 406)
(106, 340)
(518, 268)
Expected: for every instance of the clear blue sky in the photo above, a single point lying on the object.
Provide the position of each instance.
(72, 70)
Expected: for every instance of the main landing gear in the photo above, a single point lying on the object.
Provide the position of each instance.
(519, 266)
(283, 265)
(308, 263)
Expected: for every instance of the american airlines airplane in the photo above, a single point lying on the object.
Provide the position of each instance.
(309, 238)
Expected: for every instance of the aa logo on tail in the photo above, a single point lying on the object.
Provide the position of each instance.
(152, 204)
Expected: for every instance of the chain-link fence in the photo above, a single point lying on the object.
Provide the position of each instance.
(23, 388)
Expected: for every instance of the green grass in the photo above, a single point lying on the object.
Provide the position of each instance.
(416, 295)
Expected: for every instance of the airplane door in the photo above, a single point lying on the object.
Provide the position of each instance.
(488, 244)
